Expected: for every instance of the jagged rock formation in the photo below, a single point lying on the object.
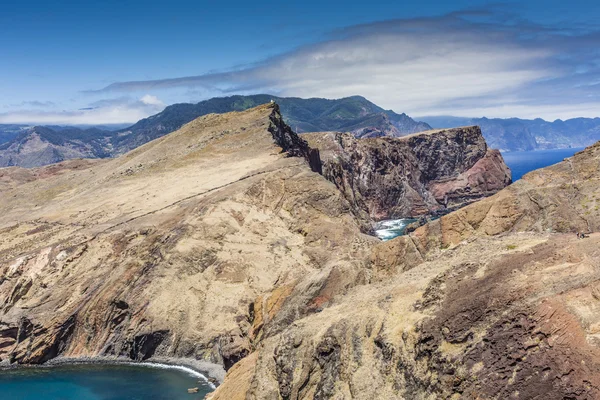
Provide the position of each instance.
(425, 173)
(492, 301)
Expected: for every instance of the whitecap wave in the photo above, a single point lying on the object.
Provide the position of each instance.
(389, 229)
(182, 368)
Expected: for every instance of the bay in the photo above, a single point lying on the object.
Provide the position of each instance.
(102, 382)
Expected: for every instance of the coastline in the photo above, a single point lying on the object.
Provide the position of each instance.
(212, 373)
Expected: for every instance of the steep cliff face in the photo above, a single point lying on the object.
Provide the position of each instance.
(165, 251)
(429, 172)
(488, 302)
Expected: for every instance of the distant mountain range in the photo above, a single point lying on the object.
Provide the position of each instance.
(27, 146)
(44, 145)
(40, 145)
(514, 134)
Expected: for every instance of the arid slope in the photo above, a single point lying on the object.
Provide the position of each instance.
(499, 300)
(164, 250)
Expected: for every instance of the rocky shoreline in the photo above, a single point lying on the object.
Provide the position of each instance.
(214, 374)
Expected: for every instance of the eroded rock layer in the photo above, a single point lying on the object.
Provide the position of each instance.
(498, 300)
(223, 242)
(420, 174)
(164, 251)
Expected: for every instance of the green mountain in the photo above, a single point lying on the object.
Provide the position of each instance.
(353, 114)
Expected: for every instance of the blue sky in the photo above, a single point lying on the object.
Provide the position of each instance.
(118, 61)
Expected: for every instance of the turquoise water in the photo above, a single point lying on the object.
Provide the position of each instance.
(522, 162)
(101, 382)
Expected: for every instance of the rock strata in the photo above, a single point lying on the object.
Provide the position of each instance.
(497, 300)
(163, 252)
(223, 243)
(425, 173)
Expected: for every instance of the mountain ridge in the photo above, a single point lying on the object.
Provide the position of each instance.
(352, 114)
(516, 134)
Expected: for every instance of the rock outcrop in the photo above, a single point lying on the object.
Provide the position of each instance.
(425, 173)
(164, 251)
(497, 300)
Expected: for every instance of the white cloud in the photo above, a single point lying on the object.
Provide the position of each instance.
(151, 100)
(462, 62)
(106, 111)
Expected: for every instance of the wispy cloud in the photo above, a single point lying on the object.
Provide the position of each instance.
(124, 109)
(472, 63)
(32, 104)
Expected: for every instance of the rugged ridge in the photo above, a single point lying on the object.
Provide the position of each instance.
(425, 173)
(163, 252)
(497, 300)
(353, 114)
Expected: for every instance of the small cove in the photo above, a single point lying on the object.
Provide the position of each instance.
(103, 382)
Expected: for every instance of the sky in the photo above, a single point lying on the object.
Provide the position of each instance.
(114, 62)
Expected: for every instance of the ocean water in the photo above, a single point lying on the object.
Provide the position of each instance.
(102, 382)
(391, 228)
(522, 162)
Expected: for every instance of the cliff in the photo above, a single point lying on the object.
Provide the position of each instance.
(424, 173)
(497, 300)
(163, 252)
(223, 242)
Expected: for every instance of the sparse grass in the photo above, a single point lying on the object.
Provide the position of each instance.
(511, 247)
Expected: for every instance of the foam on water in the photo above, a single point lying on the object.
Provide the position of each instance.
(182, 368)
(389, 229)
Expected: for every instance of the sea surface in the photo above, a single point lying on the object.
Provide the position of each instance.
(522, 162)
(102, 382)
(519, 162)
(391, 228)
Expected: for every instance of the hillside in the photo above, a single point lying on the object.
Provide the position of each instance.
(222, 243)
(497, 300)
(514, 134)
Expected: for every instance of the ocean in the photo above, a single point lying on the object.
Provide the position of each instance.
(522, 162)
(102, 382)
